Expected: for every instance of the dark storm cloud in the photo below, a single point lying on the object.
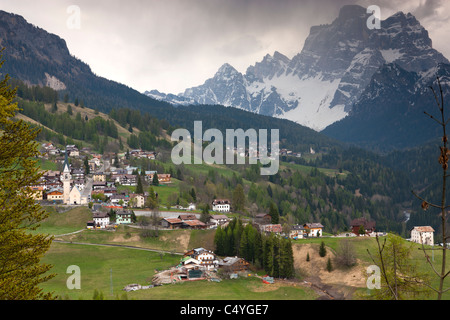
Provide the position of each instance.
(175, 44)
(427, 9)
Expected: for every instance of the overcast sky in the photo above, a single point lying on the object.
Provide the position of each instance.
(171, 45)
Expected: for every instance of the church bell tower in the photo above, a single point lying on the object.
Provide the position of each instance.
(66, 177)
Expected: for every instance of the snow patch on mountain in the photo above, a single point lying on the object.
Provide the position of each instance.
(315, 96)
(320, 85)
(390, 55)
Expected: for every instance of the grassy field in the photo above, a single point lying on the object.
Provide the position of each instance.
(97, 263)
(65, 222)
(128, 266)
(362, 246)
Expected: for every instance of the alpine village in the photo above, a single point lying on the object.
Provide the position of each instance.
(356, 210)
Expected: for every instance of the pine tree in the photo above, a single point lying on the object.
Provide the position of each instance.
(152, 201)
(286, 259)
(21, 271)
(322, 250)
(193, 195)
(244, 249)
(219, 242)
(268, 254)
(155, 180)
(87, 169)
(329, 265)
(273, 212)
(204, 216)
(139, 187)
(238, 198)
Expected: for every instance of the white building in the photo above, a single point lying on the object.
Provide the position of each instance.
(124, 217)
(221, 205)
(101, 219)
(423, 235)
(218, 219)
(205, 258)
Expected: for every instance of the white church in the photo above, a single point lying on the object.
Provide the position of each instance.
(73, 194)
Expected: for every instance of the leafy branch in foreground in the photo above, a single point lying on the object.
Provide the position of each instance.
(443, 161)
(400, 276)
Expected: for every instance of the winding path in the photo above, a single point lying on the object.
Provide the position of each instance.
(117, 246)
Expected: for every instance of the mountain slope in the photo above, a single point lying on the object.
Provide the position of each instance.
(319, 86)
(390, 112)
(39, 58)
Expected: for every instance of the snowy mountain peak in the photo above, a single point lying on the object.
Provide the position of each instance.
(319, 85)
(227, 69)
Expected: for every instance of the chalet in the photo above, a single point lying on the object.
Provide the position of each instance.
(72, 151)
(93, 164)
(271, 228)
(131, 169)
(50, 149)
(51, 174)
(99, 177)
(218, 220)
(189, 263)
(206, 259)
(297, 232)
(313, 229)
(187, 217)
(124, 217)
(221, 205)
(423, 235)
(109, 192)
(171, 223)
(52, 184)
(233, 264)
(101, 219)
(119, 199)
(360, 224)
(193, 224)
(263, 218)
(162, 177)
(47, 146)
(55, 195)
(98, 185)
(128, 180)
(78, 174)
(137, 200)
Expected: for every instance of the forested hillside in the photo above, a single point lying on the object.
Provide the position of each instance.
(336, 186)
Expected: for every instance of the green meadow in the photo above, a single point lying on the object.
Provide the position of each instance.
(109, 269)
